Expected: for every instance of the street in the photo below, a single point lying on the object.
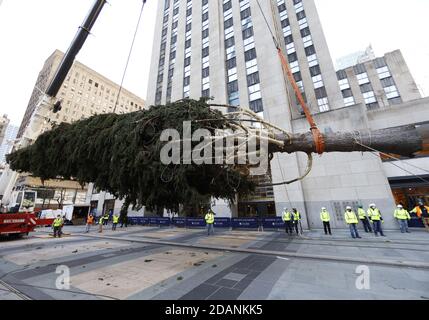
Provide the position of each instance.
(184, 264)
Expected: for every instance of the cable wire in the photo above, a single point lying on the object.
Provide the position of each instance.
(129, 57)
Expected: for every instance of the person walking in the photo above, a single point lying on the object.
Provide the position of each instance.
(326, 219)
(210, 219)
(115, 220)
(375, 215)
(422, 212)
(402, 216)
(364, 219)
(287, 219)
(57, 225)
(100, 224)
(352, 221)
(297, 221)
(106, 219)
(89, 222)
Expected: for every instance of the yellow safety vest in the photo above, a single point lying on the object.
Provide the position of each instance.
(361, 214)
(325, 216)
(297, 216)
(58, 222)
(374, 215)
(209, 218)
(115, 219)
(402, 214)
(287, 216)
(101, 220)
(350, 217)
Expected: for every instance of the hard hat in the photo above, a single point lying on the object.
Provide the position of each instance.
(349, 208)
(323, 208)
(372, 205)
(400, 206)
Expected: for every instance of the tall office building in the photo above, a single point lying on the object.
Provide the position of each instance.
(224, 49)
(379, 82)
(84, 93)
(6, 146)
(355, 58)
(4, 123)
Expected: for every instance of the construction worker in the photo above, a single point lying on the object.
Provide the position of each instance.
(106, 219)
(89, 222)
(364, 219)
(352, 221)
(57, 225)
(296, 220)
(402, 216)
(326, 219)
(287, 219)
(115, 220)
(210, 219)
(375, 215)
(100, 224)
(422, 212)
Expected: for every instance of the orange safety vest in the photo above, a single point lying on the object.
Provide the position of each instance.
(418, 211)
(90, 220)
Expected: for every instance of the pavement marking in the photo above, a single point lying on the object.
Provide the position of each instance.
(281, 258)
(127, 278)
(360, 260)
(14, 291)
(58, 250)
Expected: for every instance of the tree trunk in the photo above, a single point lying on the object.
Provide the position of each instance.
(404, 141)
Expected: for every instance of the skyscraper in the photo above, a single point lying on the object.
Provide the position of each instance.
(225, 50)
(6, 146)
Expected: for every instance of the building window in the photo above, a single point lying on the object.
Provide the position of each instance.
(362, 78)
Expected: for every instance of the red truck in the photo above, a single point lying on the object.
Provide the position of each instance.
(20, 219)
(16, 225)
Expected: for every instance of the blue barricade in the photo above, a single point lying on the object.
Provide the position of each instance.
(195, 223)
(133, 221)
(273, 223)
(222, 223)
(157, 221)
(179, 222)
(164, 222)
(141, 221)
(245, 223)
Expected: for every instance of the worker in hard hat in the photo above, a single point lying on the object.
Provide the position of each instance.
(364, 219)
(374, 215)
(210, 220)
(287, 219)
(115, 221)
(402, 216)
(422, 212)
(89, 222)
(326, 219)
(57, 225)
(297, 220)
(100, 224)
(352, 221)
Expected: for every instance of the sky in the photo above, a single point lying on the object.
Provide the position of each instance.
(31, 30)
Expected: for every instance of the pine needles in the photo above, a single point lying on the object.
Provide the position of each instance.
(121, 155)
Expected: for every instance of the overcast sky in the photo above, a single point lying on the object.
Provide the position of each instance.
(30, 30)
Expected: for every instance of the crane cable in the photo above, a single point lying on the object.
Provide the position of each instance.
(317, 135)
(129, 57)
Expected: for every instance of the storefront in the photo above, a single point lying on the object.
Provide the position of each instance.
(409, 191)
